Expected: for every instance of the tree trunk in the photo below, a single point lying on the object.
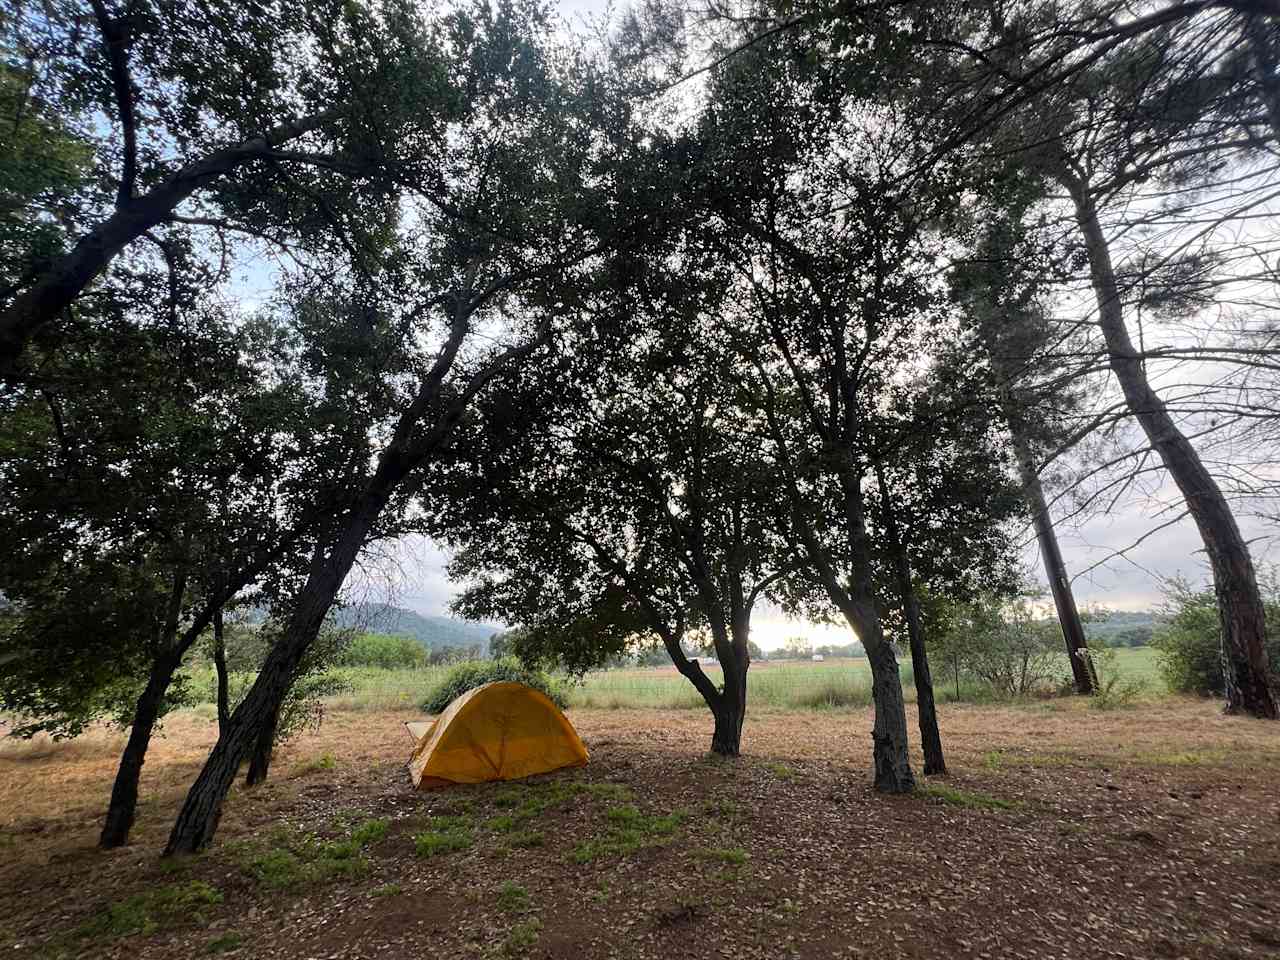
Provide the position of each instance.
(730, 710)
(930, 738)
(727, 738)
(263, 750)
(124, 792)
(220, 666)
(889, 733)
(198, 819)
(1239, 601)
(1063, 600)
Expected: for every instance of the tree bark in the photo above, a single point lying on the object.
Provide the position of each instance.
(1055, 568)
(220, 667)
(729, 713)
(198, 819)
(123, 807)
(889, 732)
(263, 750)
(935, 763)
(1240, 607)
(731, 709)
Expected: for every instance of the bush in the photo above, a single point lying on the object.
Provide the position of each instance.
(383, 650)
(475, 673)
(1001, 643)
(1189, 642)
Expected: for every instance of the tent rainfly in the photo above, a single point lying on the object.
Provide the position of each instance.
(499, 731)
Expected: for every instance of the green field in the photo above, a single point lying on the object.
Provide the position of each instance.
(778, 685)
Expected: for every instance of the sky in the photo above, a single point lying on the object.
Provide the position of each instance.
(1129, 582)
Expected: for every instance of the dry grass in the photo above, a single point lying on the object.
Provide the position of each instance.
(68, 782)
(1046, 800)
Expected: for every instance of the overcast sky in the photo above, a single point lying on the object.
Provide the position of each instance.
(1130, 582)
(1121, 584)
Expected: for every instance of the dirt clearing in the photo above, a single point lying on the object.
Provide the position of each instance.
(1063, 832)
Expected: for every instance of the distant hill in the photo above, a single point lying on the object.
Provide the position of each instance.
(434, 632)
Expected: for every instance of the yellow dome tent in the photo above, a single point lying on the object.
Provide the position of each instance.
(499, 731)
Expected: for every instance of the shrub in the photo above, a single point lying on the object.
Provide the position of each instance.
(383, 650)
(475, 673)
(1189, 642)
(1001, 643)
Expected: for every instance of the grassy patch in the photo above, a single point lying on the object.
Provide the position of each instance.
(521, 938)
(512, 898)
(228, 941)
(315, 765)
(297, 860)
(434, 843)
(782, 771)
(606, 790)
(628, 830)
(371, 831)
(387, 890)
(833, 693)
(1184, 759)
(526, 839)
(164, 907)
(969, 799)
(501, 824)
(735, 856)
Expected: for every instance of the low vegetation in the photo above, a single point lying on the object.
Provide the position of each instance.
(469, 675)
(290, 859)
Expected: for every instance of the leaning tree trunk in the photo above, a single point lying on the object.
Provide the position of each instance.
(124, 792)
(263, 750)
(198, 819)
(1064, 600)
(1240, 607)
(930, 739)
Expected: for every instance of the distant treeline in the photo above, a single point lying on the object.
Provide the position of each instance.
(1124, 628)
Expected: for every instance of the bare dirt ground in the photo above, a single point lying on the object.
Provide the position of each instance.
(1147, 832)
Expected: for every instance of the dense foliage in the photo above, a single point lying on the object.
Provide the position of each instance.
(476, 673)
(383, 650)
(1188, 640)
